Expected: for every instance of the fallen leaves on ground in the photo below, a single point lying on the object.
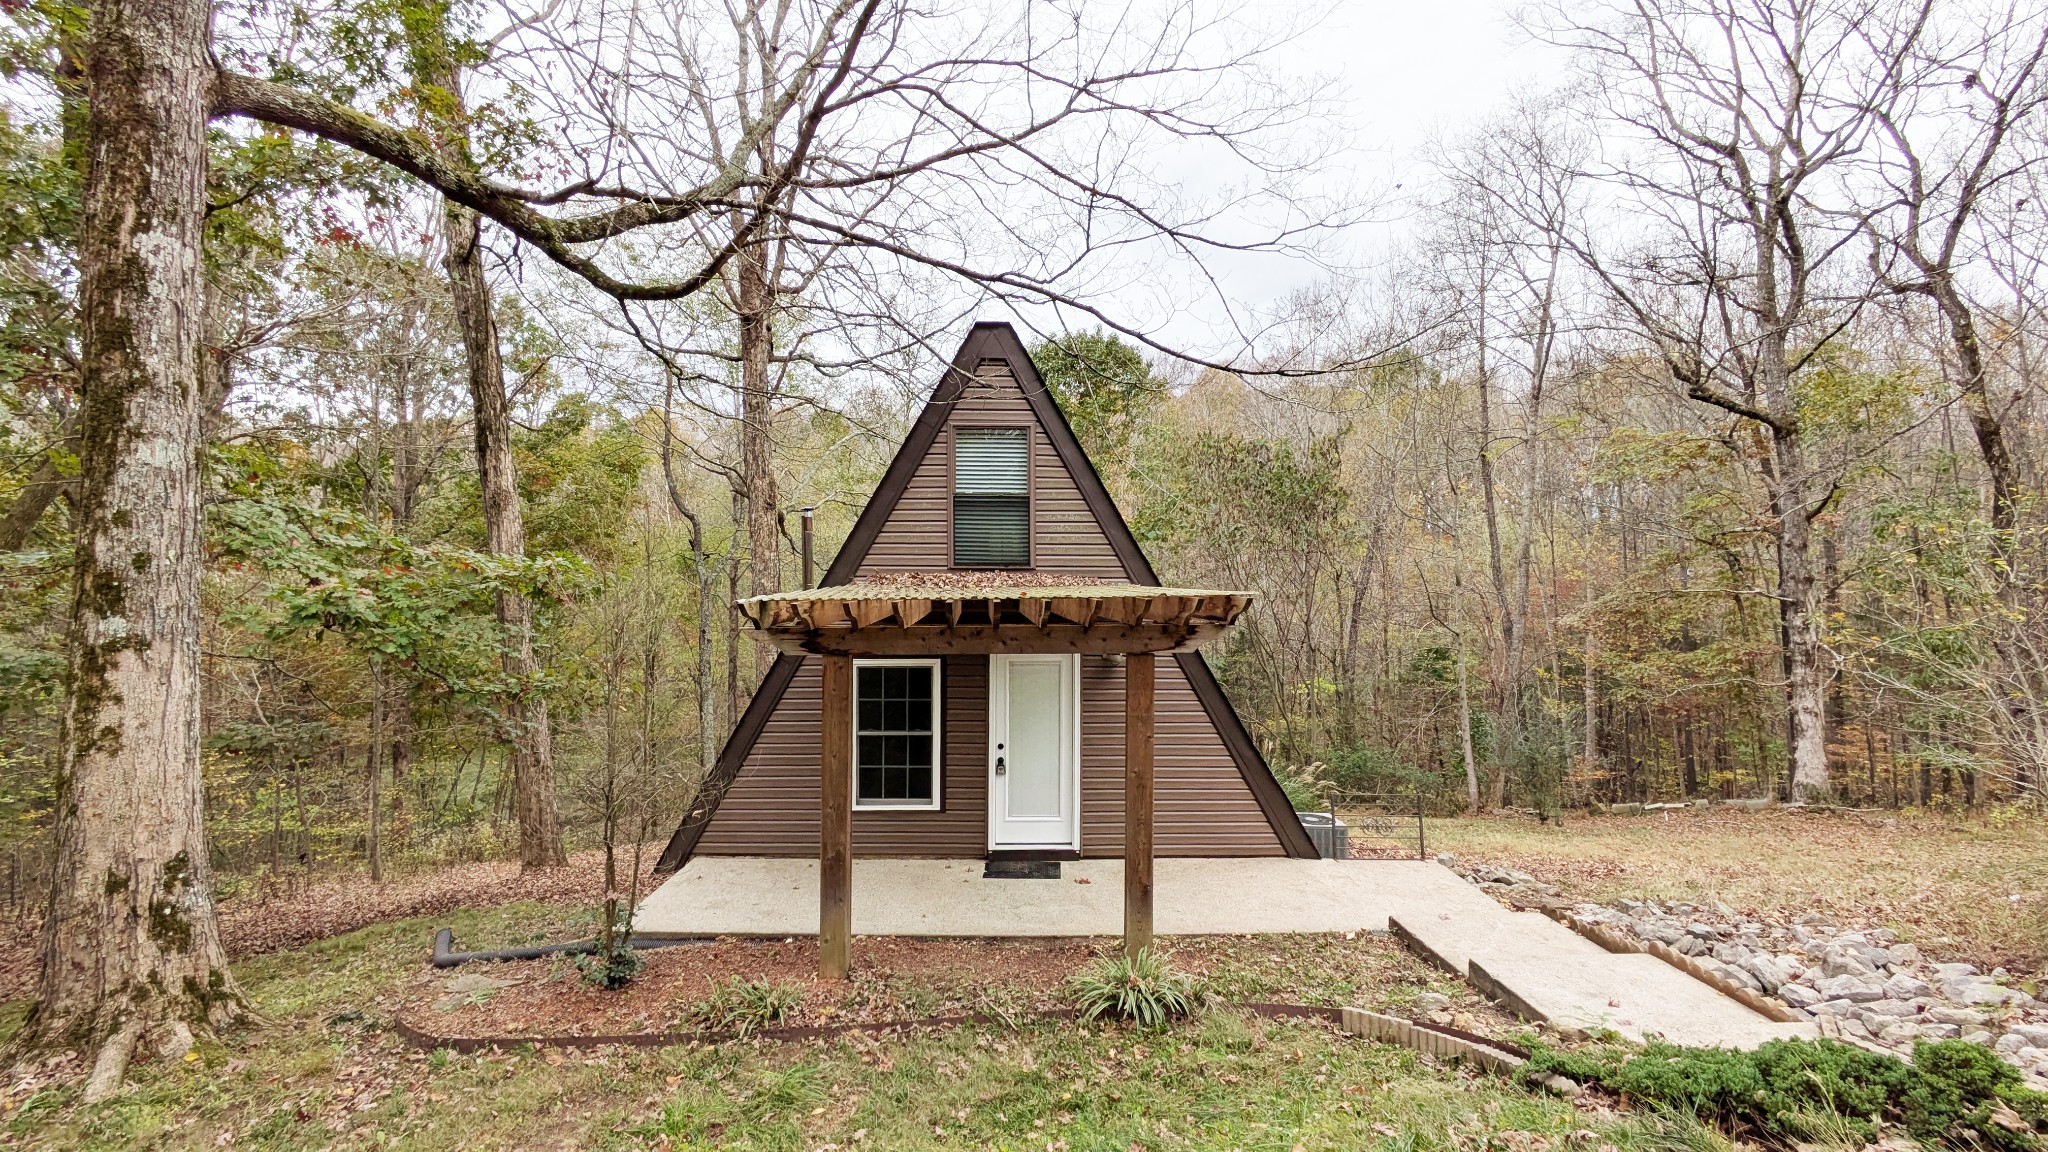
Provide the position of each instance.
(277, 916)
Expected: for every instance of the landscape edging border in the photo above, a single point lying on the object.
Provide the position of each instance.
(1430, 1039)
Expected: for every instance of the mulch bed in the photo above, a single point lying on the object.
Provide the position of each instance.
(896, 982)
(895, 978)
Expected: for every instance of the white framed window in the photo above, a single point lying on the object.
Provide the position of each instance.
(992, 497)
(896, 734)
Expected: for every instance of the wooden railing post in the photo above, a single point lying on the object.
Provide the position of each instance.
(835, 820)
(1138, 725)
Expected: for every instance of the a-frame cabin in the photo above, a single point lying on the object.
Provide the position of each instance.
(979, 754)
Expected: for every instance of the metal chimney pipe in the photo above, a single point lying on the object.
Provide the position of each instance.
(810, 578)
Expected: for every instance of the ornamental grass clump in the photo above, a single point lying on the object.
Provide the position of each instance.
(743, 1006)
(1787, 1091)
(1144, 990)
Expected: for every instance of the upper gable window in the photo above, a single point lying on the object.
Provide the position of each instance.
(992, 497)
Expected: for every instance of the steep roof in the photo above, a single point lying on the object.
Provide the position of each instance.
(992, 340)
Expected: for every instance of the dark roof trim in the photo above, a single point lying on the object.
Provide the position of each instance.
(740, 743)
(986, 341)
(1250, 765)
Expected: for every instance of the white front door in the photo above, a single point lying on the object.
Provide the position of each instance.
(1034, 752)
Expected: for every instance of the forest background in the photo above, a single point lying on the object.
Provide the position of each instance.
(1648, 464)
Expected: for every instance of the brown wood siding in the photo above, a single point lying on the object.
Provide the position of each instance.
(1203, 805)
(1065, 536)
(771, 809)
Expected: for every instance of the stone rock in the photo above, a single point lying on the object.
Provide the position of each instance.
(1839, 961)
(1963, 1017)
(1977, 1036)
(1903, 1032)
(2036, 1035)
(1940, 1031)
(1798, 995)
(1904, 955)
(1689, 946)
(1859, 989)
(1703, 931)
(1834, 1007)
(1854, 1027)
(1768, 972)
(1875, 957)
(1903, 986)
(2031, 1057)
(2009, 1043)
(1970, 990)
(1428, 1002)
(1734, 975)
(1665, 934)
(1729, 953)
(1899, 1008)
(1954, 971)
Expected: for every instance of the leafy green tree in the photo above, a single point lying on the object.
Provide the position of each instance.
(1104, 386)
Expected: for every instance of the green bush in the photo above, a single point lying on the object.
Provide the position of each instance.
(1144, 990)
(1954, 1092)
(610, 968)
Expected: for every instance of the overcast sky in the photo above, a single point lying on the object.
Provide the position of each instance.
(1408, 71)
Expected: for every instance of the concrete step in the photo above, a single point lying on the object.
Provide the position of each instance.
(1542, 970)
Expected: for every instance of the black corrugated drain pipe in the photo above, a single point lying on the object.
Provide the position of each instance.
(445, 955)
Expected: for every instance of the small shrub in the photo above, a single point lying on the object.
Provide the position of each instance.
(1954, 1092)
(1145, 990)
(610, 968)
(1959, 1087)
(741, 1005)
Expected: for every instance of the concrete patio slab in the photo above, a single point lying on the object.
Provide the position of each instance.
(1528, 961)
(762, 896)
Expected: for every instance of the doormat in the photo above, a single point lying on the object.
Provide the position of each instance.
(1021, 870)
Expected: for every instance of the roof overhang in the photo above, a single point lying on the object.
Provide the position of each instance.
(918, 614)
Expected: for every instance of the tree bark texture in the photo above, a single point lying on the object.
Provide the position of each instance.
(755, 299)
(131, 949)
(526, 711)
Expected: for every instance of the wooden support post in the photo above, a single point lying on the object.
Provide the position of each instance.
(835, 820)
(1138, 724)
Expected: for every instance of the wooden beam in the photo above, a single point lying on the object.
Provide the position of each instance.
(1018, 639)
(1138, 724)
(835, 820)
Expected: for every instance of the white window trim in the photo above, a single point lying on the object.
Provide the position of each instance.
(937, 802)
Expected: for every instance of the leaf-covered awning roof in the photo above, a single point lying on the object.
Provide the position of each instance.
(908, 613)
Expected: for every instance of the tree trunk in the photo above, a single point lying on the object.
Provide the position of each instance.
(374, 766)
(755, 305)
(131, 952)
(707, 735)
(526, 711)
(1805, 652)
(42, 489)
(1465, 731)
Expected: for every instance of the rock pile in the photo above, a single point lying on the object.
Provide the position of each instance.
(1858, 983)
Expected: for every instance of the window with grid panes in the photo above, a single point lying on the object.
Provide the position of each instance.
(896, 733)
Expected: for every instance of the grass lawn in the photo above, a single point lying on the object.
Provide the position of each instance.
(324, 1072)
(1963, 888)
